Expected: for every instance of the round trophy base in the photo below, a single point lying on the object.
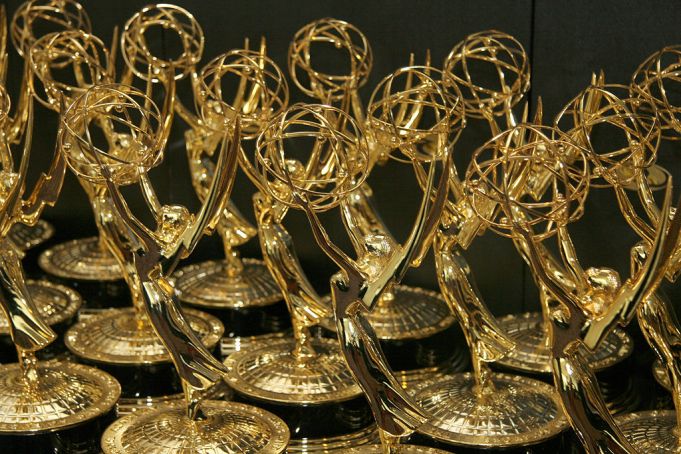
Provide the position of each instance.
(228, 427)
(29, 236)
(118, 341)
(208, 286)
(82, 265)
(661, 375)
(82, 259)
(65, 395)
(651, 431)
(229, 345)
(57, 305)
(521, 411)
(268, 371)
(411, 313)
(341, 443)
(532, 354)
(403, 449)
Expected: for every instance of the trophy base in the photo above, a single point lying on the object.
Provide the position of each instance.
(229, 427)
(413, 313)
(248, 305)
(84, 266)
(533, 356)
(352, 442)
(651, 431)
(57, 305)
(65, 395)
(229, 345)
(521, 411)
(29, 236)
(117, 341)
(268, 371)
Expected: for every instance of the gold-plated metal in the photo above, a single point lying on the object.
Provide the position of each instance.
(55, 303)
(405, 449)
(583, 306)
(28, 237)
(661, 376)
(228, 427)
(334, 166)
(360, 441)
(532, 354)
(262, 92)
(651, 431)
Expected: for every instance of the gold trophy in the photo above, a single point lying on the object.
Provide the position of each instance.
(583, 305)
(407, 318)
(48, 406)
(84, 263)
(334, 165)
(479, 409)
(147, 255)
(241, 292)
(302, 378)
(123, 341)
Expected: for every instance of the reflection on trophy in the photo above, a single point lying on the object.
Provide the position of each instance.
(335, 165)
(583, 305)
(47, 406)
(241, 292)
(412, 323)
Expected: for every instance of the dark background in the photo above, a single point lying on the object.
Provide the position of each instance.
(565, 41)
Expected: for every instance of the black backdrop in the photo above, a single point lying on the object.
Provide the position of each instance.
(566, 42)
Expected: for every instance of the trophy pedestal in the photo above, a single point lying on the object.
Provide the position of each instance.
(520, 412)
(27, 237)
(318, 398)
(403, 449)
(66, 410)
(249, 304)
(83, 265)
(417, 333)
(228, 427)
(57, 306)
(651, 431)
(117, 341)
(532, 356)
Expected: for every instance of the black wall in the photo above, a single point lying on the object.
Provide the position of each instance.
(566, 42)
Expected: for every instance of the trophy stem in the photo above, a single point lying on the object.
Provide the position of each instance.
(29, 365)
(482, 373)
(235, 265)
(390, 444)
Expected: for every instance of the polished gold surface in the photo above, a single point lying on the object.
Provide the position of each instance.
(401, 449)
(271, 372)
(120, 336)
(228, 428)
(64, 395)
(82, 259)
(27, 237)
(519, 411)
(229, 345)
(210, 286)
(55, 303)
(532, 354)
(651, 431)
